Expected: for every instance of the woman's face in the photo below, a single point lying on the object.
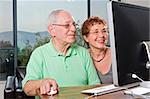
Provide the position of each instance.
(97, 36)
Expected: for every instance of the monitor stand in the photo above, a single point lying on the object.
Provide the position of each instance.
(147, 46)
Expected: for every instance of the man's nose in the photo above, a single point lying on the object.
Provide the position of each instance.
(73, 27)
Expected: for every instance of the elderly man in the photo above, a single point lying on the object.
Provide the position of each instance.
(61, 62)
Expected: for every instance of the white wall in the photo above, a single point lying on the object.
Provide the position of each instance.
(145, 3)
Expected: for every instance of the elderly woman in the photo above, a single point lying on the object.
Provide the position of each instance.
(95, 33)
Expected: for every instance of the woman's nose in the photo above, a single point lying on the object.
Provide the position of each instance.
(101, 35)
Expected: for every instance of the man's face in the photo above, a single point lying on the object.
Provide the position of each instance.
(65, 30)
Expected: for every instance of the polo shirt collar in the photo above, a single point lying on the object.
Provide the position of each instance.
(54, 52)
(72, 50)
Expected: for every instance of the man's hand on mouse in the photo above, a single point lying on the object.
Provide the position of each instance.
(48, 86)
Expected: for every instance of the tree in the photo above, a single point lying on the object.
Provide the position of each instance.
(24, 54)
(5, 44)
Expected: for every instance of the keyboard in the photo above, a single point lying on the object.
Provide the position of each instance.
(102, 90)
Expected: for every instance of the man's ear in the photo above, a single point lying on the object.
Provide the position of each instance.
(85, 38)
(51, 30)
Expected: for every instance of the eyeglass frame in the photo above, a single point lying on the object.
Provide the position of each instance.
(67, 26)
(103, 31)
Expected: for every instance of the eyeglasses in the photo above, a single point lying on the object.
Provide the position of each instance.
(67, 26)
(103, 31)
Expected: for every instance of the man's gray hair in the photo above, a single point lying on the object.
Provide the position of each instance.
(53, 16)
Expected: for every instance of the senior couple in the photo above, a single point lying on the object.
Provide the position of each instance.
(61, 62)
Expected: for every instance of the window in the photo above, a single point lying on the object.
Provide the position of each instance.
(99, 8)
(32, 18)
(6, 39)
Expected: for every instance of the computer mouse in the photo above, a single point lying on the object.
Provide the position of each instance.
(52, 91)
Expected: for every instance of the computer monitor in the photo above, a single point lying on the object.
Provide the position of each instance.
(129, 26)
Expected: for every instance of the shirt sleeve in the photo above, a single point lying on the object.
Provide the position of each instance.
(93, 78)
(34, 67)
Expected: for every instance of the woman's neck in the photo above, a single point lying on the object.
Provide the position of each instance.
(97, 54)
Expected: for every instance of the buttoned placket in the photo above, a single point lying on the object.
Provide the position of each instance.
(65, 62)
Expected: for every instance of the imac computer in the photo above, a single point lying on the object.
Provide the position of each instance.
(129, 26)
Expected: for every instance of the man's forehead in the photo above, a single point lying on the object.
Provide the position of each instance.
(65, 19)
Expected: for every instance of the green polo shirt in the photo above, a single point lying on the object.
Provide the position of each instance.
(74, 69)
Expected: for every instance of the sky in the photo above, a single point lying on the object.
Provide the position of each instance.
(41, 9)
(32, 15)
(5, 15)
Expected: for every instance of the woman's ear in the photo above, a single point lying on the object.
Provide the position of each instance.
(85, 38)
(51, 30)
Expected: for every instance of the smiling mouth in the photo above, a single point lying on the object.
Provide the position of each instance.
(72, 35)
(101, 41)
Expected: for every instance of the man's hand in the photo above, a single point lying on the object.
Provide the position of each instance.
(46, 84)
(40, 87)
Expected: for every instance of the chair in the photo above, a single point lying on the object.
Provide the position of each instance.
(13, 87)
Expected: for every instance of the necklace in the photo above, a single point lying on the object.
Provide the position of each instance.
(99, 59)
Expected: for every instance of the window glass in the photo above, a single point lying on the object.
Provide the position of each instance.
(6, 33)
(6, 39)
(6, 63)
(99, 8)
(32, 18)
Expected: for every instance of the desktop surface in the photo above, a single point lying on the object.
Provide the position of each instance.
(75, 93)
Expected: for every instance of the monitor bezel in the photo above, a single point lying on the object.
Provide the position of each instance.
(113, 42)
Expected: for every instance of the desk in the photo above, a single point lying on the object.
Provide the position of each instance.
(75, 93)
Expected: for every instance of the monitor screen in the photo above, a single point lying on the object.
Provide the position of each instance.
(129, 26)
